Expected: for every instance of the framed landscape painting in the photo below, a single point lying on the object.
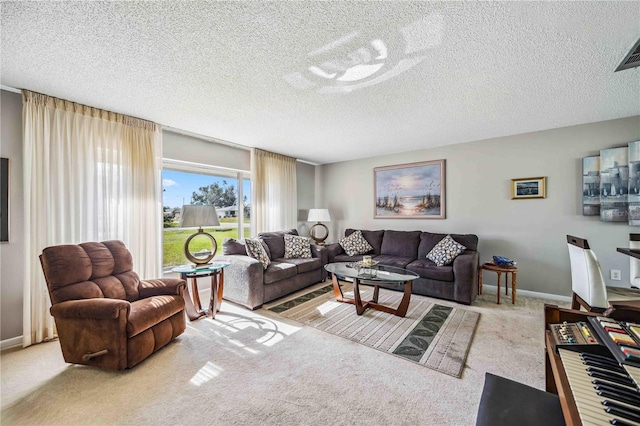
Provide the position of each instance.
(410, 191)
(523, 188)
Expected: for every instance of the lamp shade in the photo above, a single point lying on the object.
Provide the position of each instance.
(319, 215)
(197, 216)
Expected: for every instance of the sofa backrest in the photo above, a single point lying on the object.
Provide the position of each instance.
(275, 241)
(90, 270)
(428, 240)
(232, 246)
(400, 243)
(373, 237)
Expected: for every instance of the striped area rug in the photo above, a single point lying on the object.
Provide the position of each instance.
(433, 335)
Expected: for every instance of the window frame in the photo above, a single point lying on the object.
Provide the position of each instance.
(204, 169)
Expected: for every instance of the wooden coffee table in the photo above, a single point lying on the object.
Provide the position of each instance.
(383, 275)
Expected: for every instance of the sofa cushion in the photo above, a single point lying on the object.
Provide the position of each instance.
(355, 244)
(373, 237)
(346, 258)
(275, 241)
(232, 246)
(397, 261)
(445, 251)
(279, 271)
(303, 265)
(147, 312)
(470, 241)
(428, 269)
(296, 247)
(257, 251)
(401, 243)
(428, 241)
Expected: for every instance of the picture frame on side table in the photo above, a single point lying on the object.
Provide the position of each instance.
(4, 199)
(525, 188)
(410, 191)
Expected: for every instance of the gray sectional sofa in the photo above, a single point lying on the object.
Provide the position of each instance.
(409, 249)
(247, 283)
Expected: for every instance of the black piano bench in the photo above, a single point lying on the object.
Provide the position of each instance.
(505, 402)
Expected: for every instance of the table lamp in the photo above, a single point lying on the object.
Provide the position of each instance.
(198, 216)
(319, 215)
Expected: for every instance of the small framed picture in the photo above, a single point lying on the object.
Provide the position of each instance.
(535, 187)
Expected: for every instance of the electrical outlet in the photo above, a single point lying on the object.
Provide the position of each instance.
(615, 274)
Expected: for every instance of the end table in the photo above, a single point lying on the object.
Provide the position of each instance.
(500, 270)
(214, 270)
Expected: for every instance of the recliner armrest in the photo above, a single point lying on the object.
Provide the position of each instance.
(161, 286)
(98, 308)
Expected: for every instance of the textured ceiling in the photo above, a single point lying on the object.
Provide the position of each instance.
(331, 81)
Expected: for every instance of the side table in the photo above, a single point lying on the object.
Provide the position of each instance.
(500, 270)
(214, 270)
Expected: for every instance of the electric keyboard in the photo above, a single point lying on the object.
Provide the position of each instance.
(596, 384)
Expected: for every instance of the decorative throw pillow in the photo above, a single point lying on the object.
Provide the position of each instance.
(355, 244)
(445, 251)
(257, 251)
(296, 247)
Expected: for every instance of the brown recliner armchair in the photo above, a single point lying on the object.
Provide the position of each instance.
(105, 315)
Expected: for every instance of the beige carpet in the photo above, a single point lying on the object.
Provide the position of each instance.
(259, 368)
(431, 334)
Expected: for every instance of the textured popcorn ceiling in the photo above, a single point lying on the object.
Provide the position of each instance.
(331, 81)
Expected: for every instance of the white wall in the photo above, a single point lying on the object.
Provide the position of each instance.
(12, 252)
(305, 176)
(532, 232)
(192, 149)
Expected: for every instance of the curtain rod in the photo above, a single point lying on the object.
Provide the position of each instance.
(183, 132)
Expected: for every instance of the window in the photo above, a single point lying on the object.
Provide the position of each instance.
(195, 185)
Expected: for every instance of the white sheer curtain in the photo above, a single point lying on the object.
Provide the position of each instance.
(274, 199)
(89, 175)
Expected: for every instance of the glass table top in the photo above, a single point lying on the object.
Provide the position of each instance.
(190, 269)
(383, 273)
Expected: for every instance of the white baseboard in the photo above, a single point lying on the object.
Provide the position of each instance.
(555, 297)
(10, 343)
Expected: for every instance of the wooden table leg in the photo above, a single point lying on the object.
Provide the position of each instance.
(192, 313)
(220, 288)
(356, 297)
(213, 299)
(376, 292)
(499, 276)
(337, 290)
(480, 280)
(195, 294)
(406, 298)
(506, 283)
(514, 280)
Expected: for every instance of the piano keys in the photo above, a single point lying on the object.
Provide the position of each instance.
(603, 390)
(596, 384)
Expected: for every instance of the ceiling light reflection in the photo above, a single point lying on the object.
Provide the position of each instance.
(355, 61)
